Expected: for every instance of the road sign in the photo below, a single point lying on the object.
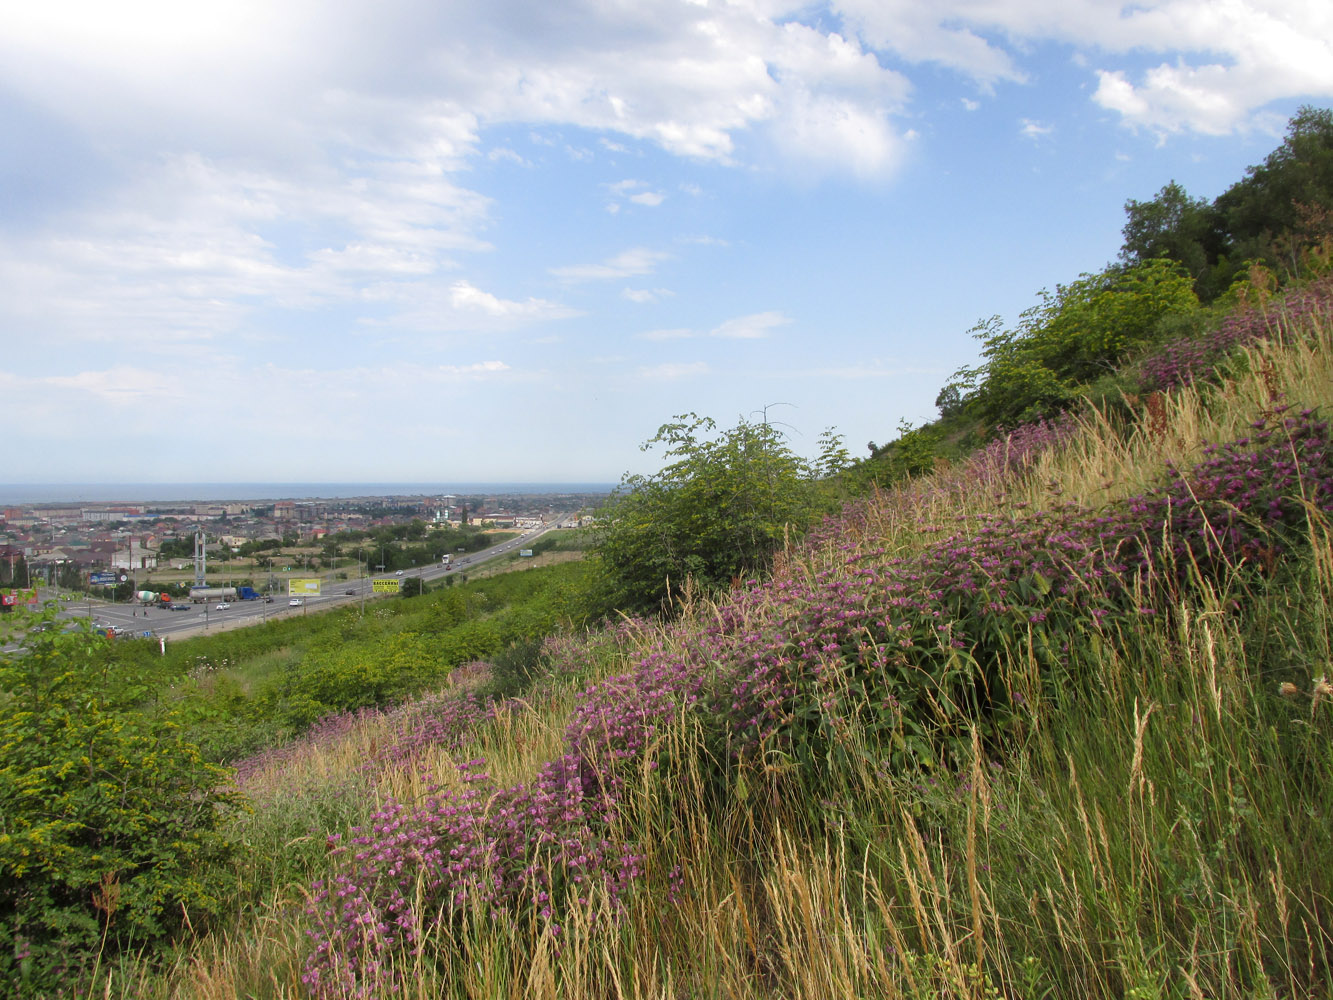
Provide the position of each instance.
(390, 586)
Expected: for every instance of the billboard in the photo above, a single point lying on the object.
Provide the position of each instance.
(308, 587)
(15, 597)
(390, 586)
(103, 579)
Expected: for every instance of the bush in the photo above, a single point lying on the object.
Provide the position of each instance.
(514, 667)
(110, 831)
(718, 510)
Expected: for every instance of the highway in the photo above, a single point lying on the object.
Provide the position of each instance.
(202, 618)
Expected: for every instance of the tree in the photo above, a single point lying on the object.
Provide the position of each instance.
(1265, 217)
(1176, 227)
(1298, 173)
(176, 548)
(718, 509)
(833, 454)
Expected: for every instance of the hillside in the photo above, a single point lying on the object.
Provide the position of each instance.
(1051, 722)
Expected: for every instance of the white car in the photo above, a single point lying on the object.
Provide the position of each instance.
(400, 572)
(222, 607)
(295, 602)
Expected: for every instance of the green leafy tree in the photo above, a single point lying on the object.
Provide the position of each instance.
(1176, 227)
(176, 548)
(1269, 200)
(1266, 217)
(833, 454)
(719, 508)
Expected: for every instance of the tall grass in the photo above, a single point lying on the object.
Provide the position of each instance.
(1147, 816)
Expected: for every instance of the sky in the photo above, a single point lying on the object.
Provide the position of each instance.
(431, 241)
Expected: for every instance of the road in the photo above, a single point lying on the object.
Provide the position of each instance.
(199, 618)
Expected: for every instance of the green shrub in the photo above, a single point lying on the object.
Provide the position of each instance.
(514, 667)
(110, 829)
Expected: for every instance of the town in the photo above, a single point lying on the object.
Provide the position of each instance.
(113, 549)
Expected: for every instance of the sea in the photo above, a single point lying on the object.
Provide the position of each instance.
(26, 494)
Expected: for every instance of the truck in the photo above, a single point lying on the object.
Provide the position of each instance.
(248, 594)
(446, 559)
(202, 595)
(153, 597)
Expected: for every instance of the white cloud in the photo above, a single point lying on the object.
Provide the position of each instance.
(460, 306)
(506, 155)
(121, 386)
(674, 370)
(752, 327)
(676, 333)
(690, 78)
(481, 368)
(630, 263)
(635, 192)
(644, 296)
(1030, 128)
(1225, 61)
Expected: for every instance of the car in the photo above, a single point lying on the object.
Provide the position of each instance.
(178, 607)
(295, 602)
(400, 572)
(120, 630)
(222, 607)
(350, 593)
(268, 600)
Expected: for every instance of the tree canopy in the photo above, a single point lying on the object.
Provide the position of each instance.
(1272, 214)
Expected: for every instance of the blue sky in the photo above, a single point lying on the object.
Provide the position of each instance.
(414, 240)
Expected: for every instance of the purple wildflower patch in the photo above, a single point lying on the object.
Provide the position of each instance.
(872, 649)
(1189, 359)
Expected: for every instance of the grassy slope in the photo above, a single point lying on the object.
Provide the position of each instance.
(1159, 827)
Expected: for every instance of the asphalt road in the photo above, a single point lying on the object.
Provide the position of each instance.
(199, 618)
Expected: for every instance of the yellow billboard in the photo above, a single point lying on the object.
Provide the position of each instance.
(389, 586)
(303, 587)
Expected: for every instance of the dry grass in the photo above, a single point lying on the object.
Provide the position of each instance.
(1156, 835)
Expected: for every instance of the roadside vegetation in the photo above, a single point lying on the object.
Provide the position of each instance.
(1040, 710)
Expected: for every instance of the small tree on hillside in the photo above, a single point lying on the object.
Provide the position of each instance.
(718, 509)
